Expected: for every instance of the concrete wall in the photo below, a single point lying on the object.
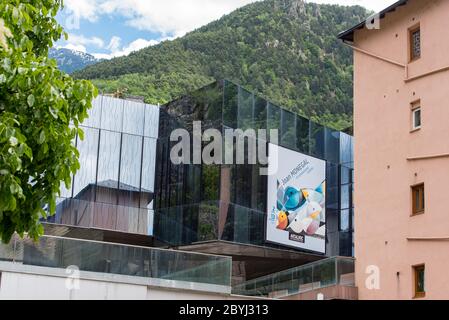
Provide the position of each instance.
(29, 283)
(328, 293)
(387, 236)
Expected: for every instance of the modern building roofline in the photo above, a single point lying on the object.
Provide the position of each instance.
(348, 35)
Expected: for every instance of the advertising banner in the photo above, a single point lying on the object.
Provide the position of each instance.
(296, 200)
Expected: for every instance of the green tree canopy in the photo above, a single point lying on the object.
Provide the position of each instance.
(40, 110)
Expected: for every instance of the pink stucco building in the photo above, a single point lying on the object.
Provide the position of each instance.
(401, 116)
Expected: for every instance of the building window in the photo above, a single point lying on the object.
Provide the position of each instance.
(415, 43)
(416, 117)
(418, 199)
(419, 279)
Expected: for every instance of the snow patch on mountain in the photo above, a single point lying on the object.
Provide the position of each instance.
(71, 60)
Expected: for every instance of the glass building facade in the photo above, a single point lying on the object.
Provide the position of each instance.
(114, 187)
(127, 182)
(197, 203)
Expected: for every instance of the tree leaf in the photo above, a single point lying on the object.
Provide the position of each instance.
(13, 141)
(81, 133)
(31, 100)
(41, 139)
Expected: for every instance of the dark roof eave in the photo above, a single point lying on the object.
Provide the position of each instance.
(348, 35)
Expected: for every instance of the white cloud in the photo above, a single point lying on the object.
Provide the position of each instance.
(80, 43)
(82, 9)
(140, 44)
(77, 40)
(116, 51)
(71, 46)
(102, 56)
(114, 44)
(168, 17)
(175, 17)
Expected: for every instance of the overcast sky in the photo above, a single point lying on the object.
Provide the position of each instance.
(110, 28)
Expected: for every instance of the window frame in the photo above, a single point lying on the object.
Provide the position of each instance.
(416, 269)
(411, 32)
(414, 108)
(420, 209)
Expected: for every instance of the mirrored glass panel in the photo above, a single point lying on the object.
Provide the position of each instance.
(346, 150)
(346, 175)
(274, 119)
(208, 221)
(210, 100)
(112, 114)
(85, 178)
(332, 175)
(245, 111)
(288, 130)
(151, 127)
(302, 134)
(345, 220)
(210, 183)
(260, 113)
(94, 119)
(345, 202)
(241, 224)
(148, 172)
(230, 105)
(332, 145)
(108, 167)
(317, 141)
(130, 170)
(133, 117)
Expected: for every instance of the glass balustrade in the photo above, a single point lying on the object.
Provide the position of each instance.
(316, 275)
(56, 252)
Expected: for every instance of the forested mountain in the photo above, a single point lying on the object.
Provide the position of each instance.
(71, 60)
(285, 50)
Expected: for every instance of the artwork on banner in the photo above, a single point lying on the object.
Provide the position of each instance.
(296, 200)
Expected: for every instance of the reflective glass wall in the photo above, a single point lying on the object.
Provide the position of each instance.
(197, 202)
(114, 187)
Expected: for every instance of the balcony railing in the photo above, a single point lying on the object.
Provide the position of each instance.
(316, 275)
(101, 257)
